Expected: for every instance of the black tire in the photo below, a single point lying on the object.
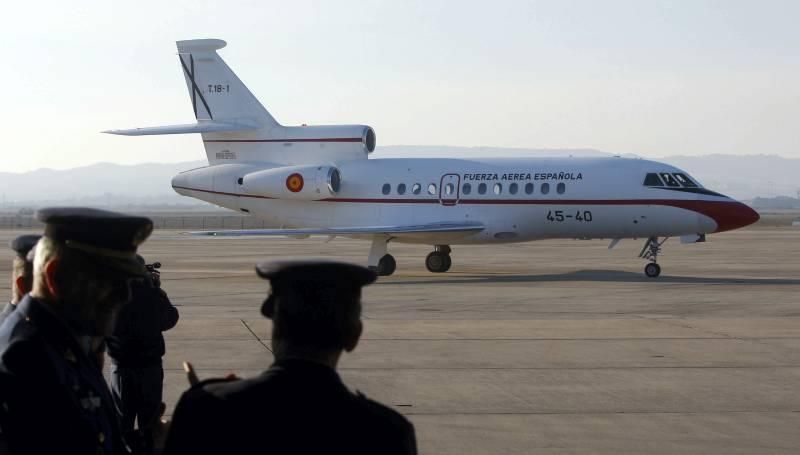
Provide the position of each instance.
(652, 270)
(447, 263)
(437, 262)
(387, 265)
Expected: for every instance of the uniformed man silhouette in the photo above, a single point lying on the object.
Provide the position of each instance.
(299, 405)
(21, 271)
(53, 398)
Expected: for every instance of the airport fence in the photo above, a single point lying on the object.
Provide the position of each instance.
(159, 222)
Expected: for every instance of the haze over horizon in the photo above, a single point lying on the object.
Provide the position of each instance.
(433, 151)
(629, 77)
(108, 184)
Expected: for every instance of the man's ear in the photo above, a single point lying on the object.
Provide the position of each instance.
(19, 285)
(351, 343)
(50, 270)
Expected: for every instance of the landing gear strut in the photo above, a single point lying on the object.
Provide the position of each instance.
(439, 260)
(650, 252)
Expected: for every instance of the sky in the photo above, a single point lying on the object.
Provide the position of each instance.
(652, 78)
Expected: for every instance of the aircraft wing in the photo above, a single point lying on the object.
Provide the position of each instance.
(452, 230)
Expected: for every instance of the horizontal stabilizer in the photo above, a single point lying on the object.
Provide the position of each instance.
(203, 127)
(392, 231)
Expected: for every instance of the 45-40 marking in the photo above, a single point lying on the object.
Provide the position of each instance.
(559, 216)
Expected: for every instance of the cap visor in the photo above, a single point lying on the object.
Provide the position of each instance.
(128, 267)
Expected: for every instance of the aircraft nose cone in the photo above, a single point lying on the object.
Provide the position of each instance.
(735, 216)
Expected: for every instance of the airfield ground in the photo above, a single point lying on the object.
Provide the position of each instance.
(545, 347)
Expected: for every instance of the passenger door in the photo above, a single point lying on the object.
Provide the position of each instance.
(449, 189)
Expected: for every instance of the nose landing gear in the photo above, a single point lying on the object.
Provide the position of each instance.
(650, 252)
(439, 260)
(652, 270)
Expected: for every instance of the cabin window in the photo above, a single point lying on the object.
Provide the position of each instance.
(401, 188)
(684, 180)
(513, 188)
(652, 179)
(240, 180)
(669, 179)
(449, 189)
(561, 188)
(386, 188)
(498, 188)
(545, 188)
(482, 188)
(416, 188)
(431, 188)
(529, 188)
(466, 188)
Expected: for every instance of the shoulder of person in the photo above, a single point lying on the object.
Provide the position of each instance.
(383, 412)
(198, 400)
(211, 389)
(23, 345)
(26, 362)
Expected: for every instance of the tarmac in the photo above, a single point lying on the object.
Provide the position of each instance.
(543, 347)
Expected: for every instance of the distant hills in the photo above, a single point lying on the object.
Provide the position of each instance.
(106, 184)
(743, 177)
(101, 184)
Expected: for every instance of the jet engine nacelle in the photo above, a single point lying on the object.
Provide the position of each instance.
(309, 183)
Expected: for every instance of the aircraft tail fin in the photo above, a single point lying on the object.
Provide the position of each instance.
(235, 126)
(216, 92)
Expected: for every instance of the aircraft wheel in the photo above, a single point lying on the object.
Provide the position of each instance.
(386, 265)
(448, 263)
(652, 270)
(438, 262)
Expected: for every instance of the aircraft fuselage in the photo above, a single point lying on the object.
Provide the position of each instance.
(516, 199)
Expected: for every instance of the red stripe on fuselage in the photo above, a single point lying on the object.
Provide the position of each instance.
(324, 139)
(728, 214)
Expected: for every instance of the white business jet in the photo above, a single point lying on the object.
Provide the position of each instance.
(319, 180)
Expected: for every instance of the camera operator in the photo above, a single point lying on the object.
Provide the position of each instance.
(136, 348)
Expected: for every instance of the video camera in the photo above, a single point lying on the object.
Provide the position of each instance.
(155, 274)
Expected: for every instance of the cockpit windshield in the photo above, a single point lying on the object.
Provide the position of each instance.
(653, 179)
(669, 179)
(684, 180)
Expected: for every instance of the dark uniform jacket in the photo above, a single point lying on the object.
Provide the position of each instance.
(53, 398)
(7, 310)
(295, 407)
(137, 340)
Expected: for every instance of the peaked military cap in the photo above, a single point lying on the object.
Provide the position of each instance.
(24, 244)
(315, 270)
(109, 237)
(287, 274)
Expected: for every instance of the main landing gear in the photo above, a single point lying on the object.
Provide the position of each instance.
(387, 265)
(379, 259)
(438, 261)
(650, 252)
(384, 264)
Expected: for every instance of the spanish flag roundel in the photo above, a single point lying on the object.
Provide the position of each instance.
(294, 182)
